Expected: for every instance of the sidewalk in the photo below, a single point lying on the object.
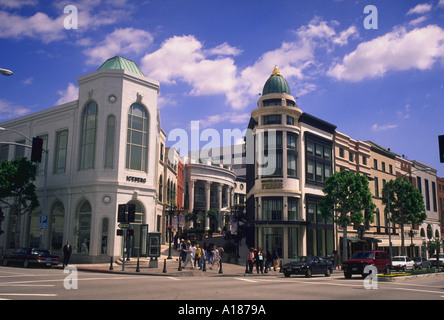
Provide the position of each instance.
(167, 267)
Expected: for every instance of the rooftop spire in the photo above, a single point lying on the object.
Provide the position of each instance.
(275, 71)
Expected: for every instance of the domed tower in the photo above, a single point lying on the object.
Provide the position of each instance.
(273, 181)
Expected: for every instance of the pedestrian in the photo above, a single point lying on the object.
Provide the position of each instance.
(259, 259)
(336, 259)
(187, 252)
(215, 255)
(67, 250)
(251, 260)
(275, 259)
(203, 256)
(197, 256)
(268, 261)
(193, 255)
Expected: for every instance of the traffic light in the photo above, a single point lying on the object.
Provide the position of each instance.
(129, 232)
(121, 213)
(37, 149)
(441, 148)
(131, 212)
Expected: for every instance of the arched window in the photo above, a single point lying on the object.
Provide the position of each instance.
(88, 137)
(137, 139)
(82, 228)
(109, 141)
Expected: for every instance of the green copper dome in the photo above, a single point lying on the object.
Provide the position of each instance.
(276, 84)
(120, 63)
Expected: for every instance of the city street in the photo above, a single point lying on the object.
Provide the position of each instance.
(54, 284)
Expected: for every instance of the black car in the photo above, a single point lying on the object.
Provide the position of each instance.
(421, 263)
(28, 256)
(308, 266)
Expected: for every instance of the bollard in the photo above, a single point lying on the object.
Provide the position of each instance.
(164, 266)
(280, 265)
(137, 268)
(246, 267)
(204, 268)
(180, 264)
(111, 264)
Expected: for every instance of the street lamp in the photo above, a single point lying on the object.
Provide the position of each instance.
(6, 72)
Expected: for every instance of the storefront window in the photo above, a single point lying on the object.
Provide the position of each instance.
(82, 228)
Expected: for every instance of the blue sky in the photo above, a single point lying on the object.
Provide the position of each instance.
(213, 57)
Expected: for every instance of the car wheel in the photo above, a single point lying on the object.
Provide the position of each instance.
(25, 263)
(347, 275)
(327, 272)
(287, 275)
(308, 273)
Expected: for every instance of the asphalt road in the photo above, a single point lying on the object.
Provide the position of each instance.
(186, 293)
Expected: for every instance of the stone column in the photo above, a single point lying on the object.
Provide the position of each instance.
(191, 195)
(220, 215)
(207, 204)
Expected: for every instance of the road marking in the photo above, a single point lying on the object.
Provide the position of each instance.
(29, 294)
(248, 280)
(173, 278)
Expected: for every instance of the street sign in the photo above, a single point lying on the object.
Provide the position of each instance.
(124, 225)
(43, 221)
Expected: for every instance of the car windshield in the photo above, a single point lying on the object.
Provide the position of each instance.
(363, 255)
(302, 259)
(398, 259)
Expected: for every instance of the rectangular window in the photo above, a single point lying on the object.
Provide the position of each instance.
(20, 150)
(319, 162)
(376, 187)
(41, 165)
(293, 209)
(290, 121)
(272, 209)
(435, 206)
(427, 194)
(4, 152)
(61, 151)
(293, 243)
(272, 119)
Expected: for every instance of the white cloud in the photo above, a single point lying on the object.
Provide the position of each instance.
(213, 71)
(441, 3)
(40, 26)
(9, 110)
(420, 9)
(125, 41)
(395, 51)
(417, 21)
(71, 93)
(17, 4)
(232, 117)
(377, 127)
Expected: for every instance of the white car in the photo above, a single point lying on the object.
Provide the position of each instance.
(402, 263)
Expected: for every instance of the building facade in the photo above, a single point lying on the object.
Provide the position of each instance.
(102, 152)
(293, 156)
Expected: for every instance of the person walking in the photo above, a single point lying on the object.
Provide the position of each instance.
(251, 260)
(187, 252)
(197, 256)
(259, 259)
(268, 261)
(67, 250)
(275, 259)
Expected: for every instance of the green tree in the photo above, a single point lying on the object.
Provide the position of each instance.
(349, 201)
(17, 190)
(406, 204)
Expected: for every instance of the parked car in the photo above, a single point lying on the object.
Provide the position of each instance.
(402, 263)
(421, 262)
(441, 260)
(356, 265)
(31, 256)
(308, 266)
